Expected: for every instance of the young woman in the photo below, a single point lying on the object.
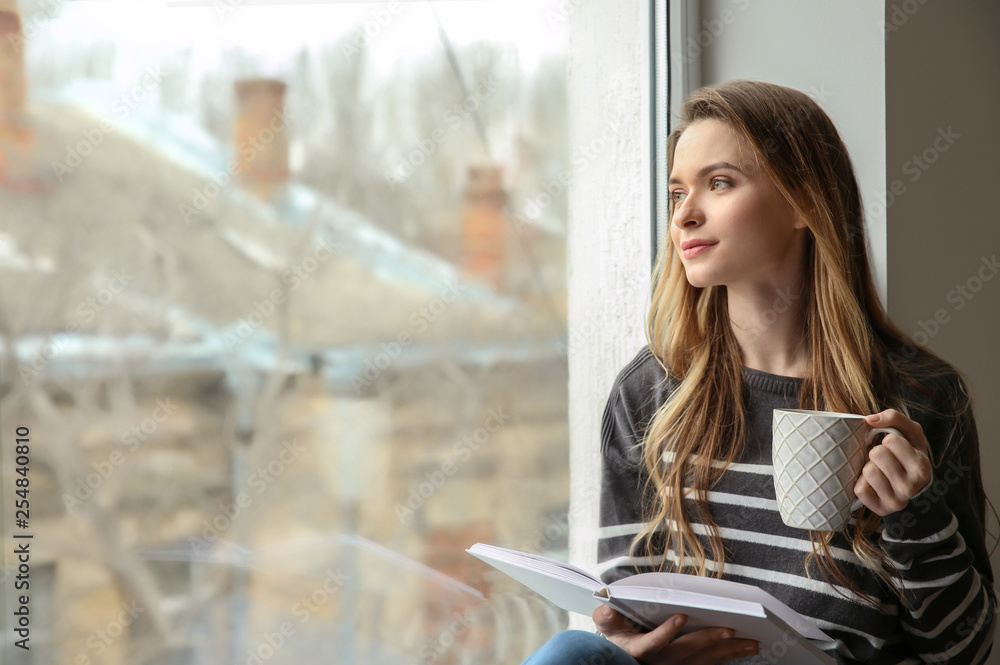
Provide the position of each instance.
(764, 299)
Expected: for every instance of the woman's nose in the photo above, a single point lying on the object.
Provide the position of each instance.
(687, 215)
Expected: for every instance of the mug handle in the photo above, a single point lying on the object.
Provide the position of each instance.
(868, 441)
(877, 430)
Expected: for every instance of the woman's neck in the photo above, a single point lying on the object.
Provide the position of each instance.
(767, 324)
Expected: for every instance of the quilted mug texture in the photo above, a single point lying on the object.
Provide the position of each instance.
(817, 459)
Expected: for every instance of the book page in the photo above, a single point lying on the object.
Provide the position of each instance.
(782, 644)
(727, 589)
(563, 584)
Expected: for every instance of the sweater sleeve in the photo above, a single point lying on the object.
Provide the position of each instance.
(938, 545)
(633, 401)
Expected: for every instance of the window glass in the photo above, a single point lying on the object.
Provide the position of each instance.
(283, 303)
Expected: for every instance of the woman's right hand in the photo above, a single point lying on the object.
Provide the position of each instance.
(662, 646)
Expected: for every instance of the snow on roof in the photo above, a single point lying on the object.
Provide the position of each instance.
(105, 262)
(116, 215)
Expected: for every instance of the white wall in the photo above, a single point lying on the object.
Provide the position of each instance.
(609, 247)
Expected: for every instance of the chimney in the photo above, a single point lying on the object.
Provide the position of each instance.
(261, 136)
(484, 225)
(17, 139)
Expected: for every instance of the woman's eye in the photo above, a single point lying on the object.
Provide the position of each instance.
(676, 197)
(717, 182)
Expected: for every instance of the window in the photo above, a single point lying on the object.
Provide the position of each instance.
(284, 305)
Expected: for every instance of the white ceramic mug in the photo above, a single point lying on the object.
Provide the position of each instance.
(817, 457)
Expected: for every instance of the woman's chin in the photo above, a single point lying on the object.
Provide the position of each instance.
(700, 281)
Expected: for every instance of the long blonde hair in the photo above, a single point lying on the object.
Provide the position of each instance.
(850, 340)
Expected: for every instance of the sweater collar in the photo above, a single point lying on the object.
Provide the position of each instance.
(772, 383)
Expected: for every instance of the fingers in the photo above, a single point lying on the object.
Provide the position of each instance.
(907, 469)
(875, 489)
(868, 496)
(897, 469)
(659, 639)
(915, 464)
(667, 631)
(714, 645)
(720, 652)
(911, 430)
(708, 646)
(609, 622)
(702, 647)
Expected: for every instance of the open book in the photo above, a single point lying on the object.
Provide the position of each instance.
(649, 599)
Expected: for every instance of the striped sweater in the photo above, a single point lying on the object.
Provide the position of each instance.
(937, 542)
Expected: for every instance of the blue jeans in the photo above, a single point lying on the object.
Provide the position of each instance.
(576, 647)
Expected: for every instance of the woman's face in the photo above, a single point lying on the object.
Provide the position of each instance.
(731, 226)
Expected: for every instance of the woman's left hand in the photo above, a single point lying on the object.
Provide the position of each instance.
(898, 468)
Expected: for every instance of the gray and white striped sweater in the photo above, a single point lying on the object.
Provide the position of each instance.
(937, 542)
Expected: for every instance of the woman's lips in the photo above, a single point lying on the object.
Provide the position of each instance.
(697, 250)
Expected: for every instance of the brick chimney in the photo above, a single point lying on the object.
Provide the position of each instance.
(484, 225)
(17, 139)
(261, 136)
